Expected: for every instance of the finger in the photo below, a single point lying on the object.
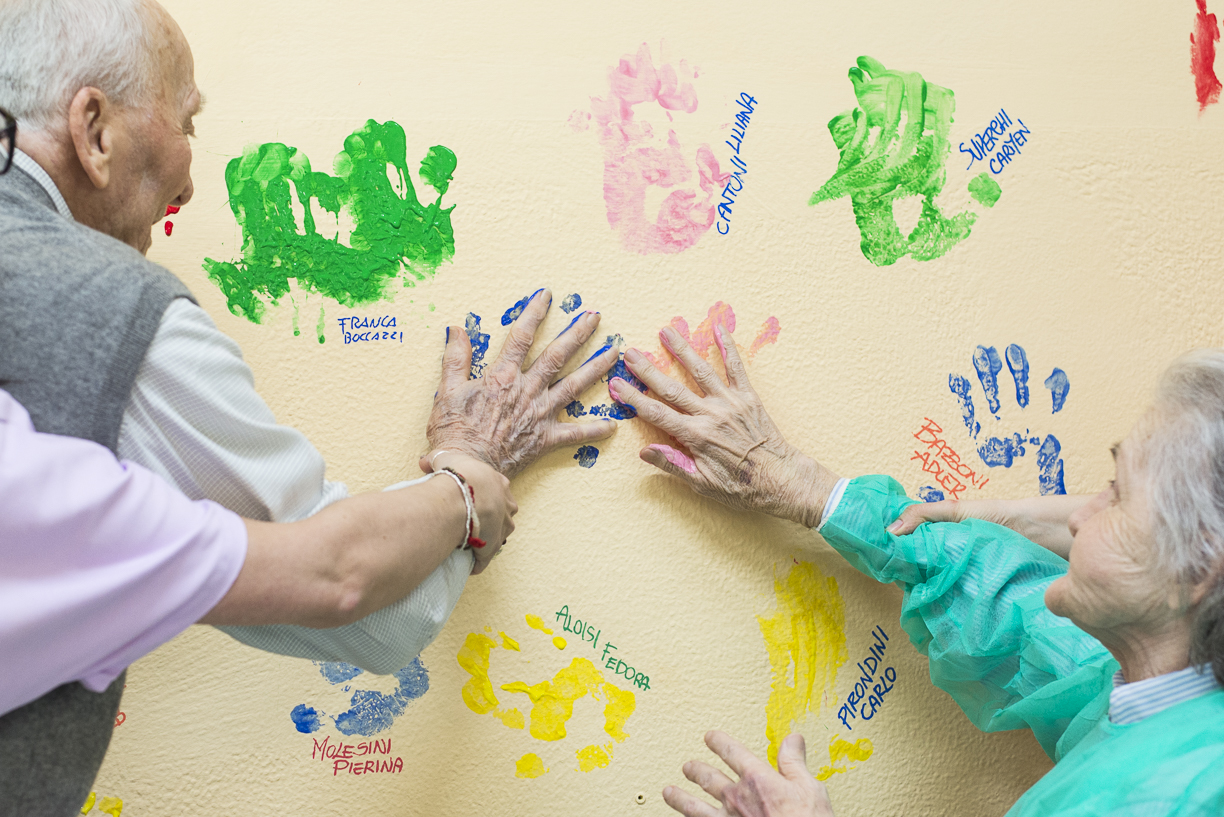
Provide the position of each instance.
(456, 359)
(687, 804)
(712, 780)
(670, 460)
(652, 411)
(568, 434)
(734, 754)
(733, 364)
(567, 389)
(522, 331)
(943, 511)
(701, 370)
(792, 758)
(558, 353)
(662, 386)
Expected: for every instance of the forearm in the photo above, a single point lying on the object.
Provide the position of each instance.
(351, 559)
(1043, 519)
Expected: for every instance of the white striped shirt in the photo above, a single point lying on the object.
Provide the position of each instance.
(1131, 703)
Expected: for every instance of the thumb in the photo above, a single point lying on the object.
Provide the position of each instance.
(943, 511)
(670, 460)
(792, 758)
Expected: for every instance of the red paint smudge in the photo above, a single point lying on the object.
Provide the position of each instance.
(169, 227)
(1202, 56)
(172, 210)
(120, 718)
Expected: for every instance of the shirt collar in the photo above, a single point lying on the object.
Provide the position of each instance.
(35, 172)
(1131, 703)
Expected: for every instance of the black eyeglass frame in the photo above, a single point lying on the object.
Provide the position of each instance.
(9, 137)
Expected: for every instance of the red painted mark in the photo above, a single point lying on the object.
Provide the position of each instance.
(1202, 56)
(169, 227)
(120, 718)
(172, 210)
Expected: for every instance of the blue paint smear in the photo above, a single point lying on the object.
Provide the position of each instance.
(480, 344)
(1018, 365)
(613, 411)
(337, 672)
(571, 324)
(1001, 451)
(575, 409)
(960, 387)
(1050, 466)
(512, 314)
(571, 302)
(305, 719)
(929, 493)
(374, 712)
(598, 352)
(619, 369)
(986, 361)
(587, 455)
(1059, 385)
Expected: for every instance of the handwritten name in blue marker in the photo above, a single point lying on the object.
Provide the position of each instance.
(735, 182)
(982, 144)
(872, 684)
(380, 328)
(587, 632)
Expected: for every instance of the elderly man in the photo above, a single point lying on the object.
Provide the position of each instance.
(104, 95)
(1114, 657)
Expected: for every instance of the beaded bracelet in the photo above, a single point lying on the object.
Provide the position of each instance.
(472, 530)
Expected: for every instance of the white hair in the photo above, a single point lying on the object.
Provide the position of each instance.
(1184, 463)
(50, 49)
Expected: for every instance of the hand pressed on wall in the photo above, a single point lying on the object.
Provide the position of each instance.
(731, 449)
(508, 417)
(791, 791)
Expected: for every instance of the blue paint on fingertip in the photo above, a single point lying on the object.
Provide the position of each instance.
(1059, 385)
(929, 493)
(571, 302)
(1018, 365)
(988, 365)
(512, 314)
(961, 387)
(1050, 467)
(587, 455)
(305, 719)
(480, 344)
(577, 318)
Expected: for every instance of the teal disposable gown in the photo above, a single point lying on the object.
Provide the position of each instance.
(974, 604)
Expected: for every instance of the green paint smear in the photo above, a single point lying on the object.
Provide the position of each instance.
(894, 145)
(394, 235)
(985, 190)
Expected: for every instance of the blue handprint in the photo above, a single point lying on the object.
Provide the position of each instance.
(1003, 451)
(372, 711)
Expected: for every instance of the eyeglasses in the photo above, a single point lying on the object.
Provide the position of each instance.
(8, 141)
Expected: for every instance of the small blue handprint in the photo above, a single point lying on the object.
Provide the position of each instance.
(372, 711)
(1003, 451)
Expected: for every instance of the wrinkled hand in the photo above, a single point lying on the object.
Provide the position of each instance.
(508, 417)
(760, 792)
(730, 450)
(495, 505)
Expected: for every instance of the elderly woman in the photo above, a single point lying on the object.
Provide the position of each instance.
(1113, 658)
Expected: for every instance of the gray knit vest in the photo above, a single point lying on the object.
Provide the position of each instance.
(78, 310)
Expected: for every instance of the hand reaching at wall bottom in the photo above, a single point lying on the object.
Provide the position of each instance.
(791, 791)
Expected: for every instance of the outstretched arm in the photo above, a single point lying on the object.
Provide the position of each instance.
(1040, 519)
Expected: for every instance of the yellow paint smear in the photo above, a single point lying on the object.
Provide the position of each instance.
(529, 766)
(111, 805)
(594, 757)
(559, 642)
(474, 657)
(844, 751)
(553, 701)
(509, 643)
(806, 642)
(537, 623)
(89, 802)
(510, 717)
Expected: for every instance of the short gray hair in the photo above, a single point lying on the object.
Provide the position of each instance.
(50, 49)
(1184, 463)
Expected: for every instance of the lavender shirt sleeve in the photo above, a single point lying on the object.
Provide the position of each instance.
(101, 562)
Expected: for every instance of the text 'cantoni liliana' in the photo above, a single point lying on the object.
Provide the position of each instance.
(735, 179)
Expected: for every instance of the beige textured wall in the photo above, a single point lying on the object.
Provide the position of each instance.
(1101, 258)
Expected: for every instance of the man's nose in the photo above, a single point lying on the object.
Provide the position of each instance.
(186, 195)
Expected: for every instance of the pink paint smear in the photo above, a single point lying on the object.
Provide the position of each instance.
(677, 458)
(703, 337)
(635, 159)
(1202, 57)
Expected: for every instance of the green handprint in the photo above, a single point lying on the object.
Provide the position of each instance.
(393, 232)
(894, 145)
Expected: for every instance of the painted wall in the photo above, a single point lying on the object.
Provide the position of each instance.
(1099, 259)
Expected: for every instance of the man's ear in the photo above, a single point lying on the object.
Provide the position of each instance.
(92, 123)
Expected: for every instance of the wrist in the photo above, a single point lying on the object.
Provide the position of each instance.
(812, 486)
